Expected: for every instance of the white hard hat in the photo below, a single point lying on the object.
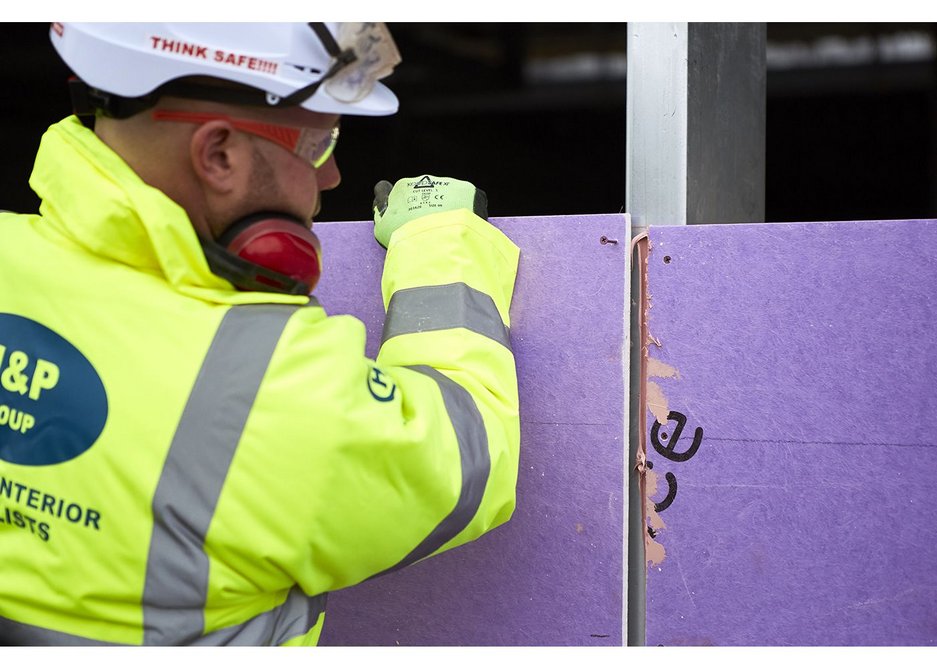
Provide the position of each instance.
(285, 64)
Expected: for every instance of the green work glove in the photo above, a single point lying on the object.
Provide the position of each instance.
(409, 199)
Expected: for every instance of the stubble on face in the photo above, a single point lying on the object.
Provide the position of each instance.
(263, 189)
(263, 193)
(266, 192)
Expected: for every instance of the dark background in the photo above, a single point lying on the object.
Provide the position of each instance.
(535, 115)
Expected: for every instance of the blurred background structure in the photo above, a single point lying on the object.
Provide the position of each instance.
(535, 115)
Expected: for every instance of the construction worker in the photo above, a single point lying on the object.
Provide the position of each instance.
(191, 451)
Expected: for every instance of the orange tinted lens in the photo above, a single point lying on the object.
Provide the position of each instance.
(315, 145)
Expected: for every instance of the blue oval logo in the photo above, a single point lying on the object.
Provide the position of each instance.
(52, 402)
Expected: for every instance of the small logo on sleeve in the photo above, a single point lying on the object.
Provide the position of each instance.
(380, 385)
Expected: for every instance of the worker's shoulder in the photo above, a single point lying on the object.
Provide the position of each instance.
(311, 331)
(325, 356)
(10, 218)
(7, 213)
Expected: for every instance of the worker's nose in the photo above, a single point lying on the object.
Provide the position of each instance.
(328, 176)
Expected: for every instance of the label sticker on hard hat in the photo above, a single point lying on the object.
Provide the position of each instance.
(52, 402)
(376, 56)
(199, 52)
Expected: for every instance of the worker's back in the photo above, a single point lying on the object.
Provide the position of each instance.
(184, 463)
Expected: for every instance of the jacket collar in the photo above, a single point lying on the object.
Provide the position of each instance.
(92, 197)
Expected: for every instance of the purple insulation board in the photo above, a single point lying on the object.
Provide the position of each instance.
(553, 574)
(793, 382)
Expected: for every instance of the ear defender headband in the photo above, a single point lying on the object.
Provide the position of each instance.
(267, 252)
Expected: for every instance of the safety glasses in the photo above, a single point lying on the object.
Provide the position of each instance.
(314, 145)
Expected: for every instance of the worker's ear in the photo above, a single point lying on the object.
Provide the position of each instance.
(220, 156)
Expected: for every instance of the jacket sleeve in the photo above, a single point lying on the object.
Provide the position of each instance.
(368, 466)
(447, 286)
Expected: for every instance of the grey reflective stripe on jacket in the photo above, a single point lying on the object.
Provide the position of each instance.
(293, 618)
(176, 585)
(195, 469)
(19, 634)
(436, 307)
(475, 460)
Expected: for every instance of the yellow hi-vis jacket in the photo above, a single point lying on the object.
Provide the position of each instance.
(182, 463)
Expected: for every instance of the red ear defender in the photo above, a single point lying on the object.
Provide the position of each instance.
(279, 243)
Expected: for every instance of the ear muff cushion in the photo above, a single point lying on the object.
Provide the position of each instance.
(279, 244)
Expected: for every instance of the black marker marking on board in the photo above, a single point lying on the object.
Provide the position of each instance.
(671, 493)
(669, 449)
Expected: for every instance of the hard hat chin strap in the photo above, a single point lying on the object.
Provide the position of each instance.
(340, 60)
